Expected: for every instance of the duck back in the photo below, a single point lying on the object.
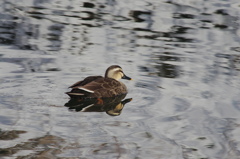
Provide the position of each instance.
(97, 87)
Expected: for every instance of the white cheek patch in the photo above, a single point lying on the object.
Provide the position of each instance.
(112, 72)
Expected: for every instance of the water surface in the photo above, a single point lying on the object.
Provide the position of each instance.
(184, 57)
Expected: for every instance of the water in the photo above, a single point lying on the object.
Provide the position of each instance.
(184, 57)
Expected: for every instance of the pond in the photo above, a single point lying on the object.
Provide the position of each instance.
(183, 56)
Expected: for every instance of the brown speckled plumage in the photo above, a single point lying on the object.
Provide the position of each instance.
(98, 86)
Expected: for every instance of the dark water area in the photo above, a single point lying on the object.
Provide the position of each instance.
(183, 56)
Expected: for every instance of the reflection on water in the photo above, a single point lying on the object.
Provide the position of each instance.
(10, 135)
(47, 146)
(189, 48)
(112, 106)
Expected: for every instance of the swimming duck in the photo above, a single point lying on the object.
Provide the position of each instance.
(99, 87)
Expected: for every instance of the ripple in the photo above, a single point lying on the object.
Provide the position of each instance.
(182, 55)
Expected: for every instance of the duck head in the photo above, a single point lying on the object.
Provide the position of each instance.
(116, 73)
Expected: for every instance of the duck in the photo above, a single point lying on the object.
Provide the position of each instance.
(99, 86)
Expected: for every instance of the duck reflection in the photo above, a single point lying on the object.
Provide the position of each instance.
(112, 106)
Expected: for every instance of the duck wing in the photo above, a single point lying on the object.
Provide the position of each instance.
(97, 88)
(85, 81)
(96, 84)
(104, 87)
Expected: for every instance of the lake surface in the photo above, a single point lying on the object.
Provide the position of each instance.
(184, 57)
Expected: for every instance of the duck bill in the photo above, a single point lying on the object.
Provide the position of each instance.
(126, 77)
